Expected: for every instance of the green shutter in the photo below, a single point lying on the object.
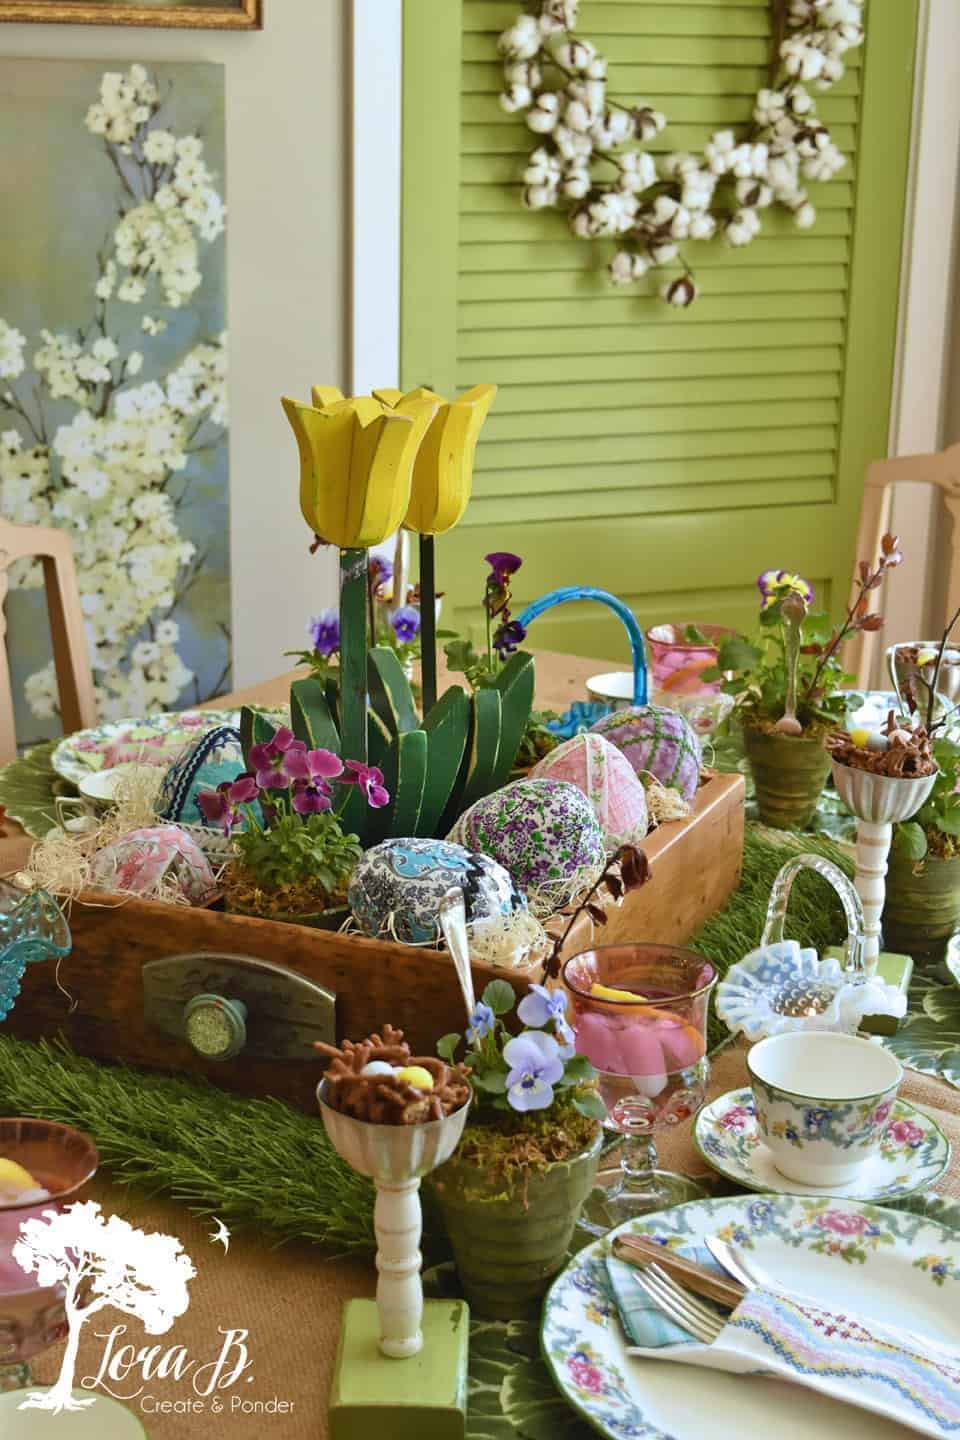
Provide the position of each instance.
(666, 455)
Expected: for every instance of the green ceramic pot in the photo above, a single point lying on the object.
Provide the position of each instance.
(789, 773)
(922, 909)
(509, 1243)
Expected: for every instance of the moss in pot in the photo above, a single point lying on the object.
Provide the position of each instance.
(511, 1195)
(786, 682)
(293, 860)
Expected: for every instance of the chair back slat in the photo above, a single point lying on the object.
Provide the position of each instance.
(70, 655)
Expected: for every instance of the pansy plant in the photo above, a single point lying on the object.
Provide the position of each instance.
(504, 635)
(529, 1071)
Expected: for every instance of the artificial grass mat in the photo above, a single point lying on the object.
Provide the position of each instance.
(260, 1165)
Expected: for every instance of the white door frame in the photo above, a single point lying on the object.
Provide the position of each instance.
(376, 86)
(376, 71)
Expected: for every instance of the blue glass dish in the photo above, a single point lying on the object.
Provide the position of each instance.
(32, 928)
(582, 715)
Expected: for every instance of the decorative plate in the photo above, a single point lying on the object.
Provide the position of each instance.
(892, 1266)
(914, 1153)
(158, 739)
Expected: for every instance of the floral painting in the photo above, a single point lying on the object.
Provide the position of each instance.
(113, 404)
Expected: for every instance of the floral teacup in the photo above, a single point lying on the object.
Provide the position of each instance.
(823, 1102)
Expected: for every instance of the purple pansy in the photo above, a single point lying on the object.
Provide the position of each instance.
(220, 806)
(380, 571)
(503, 563)
(541, 1006)
(535, 1067)
(270, 760)
(481, 1023)
(507, 637)
(774, 585)
(309, 798)
(406, 623)
(370, 780)
(312, 765)
(324, 631)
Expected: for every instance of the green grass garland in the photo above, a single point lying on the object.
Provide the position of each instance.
(263, 1166)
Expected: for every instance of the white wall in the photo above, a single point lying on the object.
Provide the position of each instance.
(287, 281)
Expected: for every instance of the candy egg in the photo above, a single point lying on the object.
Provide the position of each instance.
(416, 1076)
(608, 780)
(396, 888)
(377, 1067)
(877, 742)
(859, 737)
(544, 833)
(658, 741)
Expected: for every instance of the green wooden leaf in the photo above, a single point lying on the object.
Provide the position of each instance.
(29, 788)
(484, 746)
(515, 684)
(255, 729)
(406, 799)
(448, 730)
(310, 717)
(390, 693)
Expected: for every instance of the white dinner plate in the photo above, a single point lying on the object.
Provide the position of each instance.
(892, 1266)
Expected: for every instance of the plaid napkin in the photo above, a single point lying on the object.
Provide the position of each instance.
(911, 1379)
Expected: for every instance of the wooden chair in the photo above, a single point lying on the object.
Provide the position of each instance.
(941, 469)
(70, 656)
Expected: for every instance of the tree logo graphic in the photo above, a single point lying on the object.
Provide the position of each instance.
(101, 1264)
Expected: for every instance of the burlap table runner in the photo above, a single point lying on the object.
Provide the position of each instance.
(289, 1302)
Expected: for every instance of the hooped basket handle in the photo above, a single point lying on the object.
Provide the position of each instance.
(849, 899)
(614, 603)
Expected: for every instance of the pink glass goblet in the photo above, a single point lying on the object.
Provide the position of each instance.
(648, 1041)
(32, 1318)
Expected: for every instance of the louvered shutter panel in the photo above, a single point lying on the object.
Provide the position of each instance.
(667, 455)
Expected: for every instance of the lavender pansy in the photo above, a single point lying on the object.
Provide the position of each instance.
(541, 1006)
(406, 623)
(535, 1067)
(482, 1021)
(324, 632)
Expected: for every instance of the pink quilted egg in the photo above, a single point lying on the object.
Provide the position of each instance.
(608, 780)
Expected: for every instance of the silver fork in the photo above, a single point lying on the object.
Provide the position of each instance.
(679, 1305)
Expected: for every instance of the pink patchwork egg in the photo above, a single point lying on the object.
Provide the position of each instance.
(609, 782)
(658, 741)
(153, 862)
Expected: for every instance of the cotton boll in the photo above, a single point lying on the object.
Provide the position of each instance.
(576, 55)
(544, 168)
(648, 122)
(662, 254)
(638, 171)
(800, 102)
(522, 40)
(805, 217)
(545, 113)
(616, 128)
(581, 224)
(597, 69)
(719, 151)
(577, 117)
(523, 72)
(576, 183)
(754, 193)
(518, 97)
(742, 227)
(679, 165)
(771, 106)
(539, 197)
(570, 145)
(621, 268)
(702, 226)
(681, 292)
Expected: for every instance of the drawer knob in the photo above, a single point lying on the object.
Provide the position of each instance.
(215, 1027)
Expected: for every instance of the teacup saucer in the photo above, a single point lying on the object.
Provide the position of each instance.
(914, 1153)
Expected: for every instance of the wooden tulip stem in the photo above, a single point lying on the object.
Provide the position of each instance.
(353, 654)
(428, 623)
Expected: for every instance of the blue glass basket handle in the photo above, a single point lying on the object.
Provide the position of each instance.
(589, 592)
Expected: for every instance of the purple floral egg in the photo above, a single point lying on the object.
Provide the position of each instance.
(544, 833)
(659, 741)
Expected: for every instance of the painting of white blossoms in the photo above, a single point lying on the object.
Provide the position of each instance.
(113, 408)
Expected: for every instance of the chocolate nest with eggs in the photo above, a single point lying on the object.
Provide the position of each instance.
(379, 1081)
(893, 751)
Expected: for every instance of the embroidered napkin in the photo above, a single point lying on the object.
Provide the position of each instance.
(859, 1362)
(644, 1325)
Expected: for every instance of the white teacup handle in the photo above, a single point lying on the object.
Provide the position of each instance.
(849, 899)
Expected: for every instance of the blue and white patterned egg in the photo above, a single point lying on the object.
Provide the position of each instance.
(211, 758)
(544, 832)
(396, 888)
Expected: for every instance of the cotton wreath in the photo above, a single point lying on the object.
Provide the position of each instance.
(558, 81)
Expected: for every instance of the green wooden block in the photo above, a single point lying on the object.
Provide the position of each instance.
(423, 1398)
(896, 970)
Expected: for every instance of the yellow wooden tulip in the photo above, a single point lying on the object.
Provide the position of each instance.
(443, 472)
(356, 464)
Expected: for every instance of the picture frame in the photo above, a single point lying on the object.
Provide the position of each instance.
(181, 14)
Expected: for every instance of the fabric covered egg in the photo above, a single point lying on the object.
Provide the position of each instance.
(160, 862)
(608, 780)
(544, 833)
(396, 888)
(659, 741)
(210, 759)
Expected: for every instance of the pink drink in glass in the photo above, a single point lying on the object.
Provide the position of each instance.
(61, 1161)
(677, 664)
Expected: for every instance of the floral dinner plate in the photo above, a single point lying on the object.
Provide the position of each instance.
(887, 1265)
(157, 740)
(913, 1155)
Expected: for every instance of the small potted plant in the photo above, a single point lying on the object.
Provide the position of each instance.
(504, 636)
(786, 686)
(293, 860)
(922, 909)
(511, 1195)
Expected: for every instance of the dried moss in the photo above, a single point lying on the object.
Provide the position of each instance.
(509, 1146)
(244, 895)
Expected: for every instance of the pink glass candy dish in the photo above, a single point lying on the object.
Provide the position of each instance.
(61, 1161)
(639, 1015)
